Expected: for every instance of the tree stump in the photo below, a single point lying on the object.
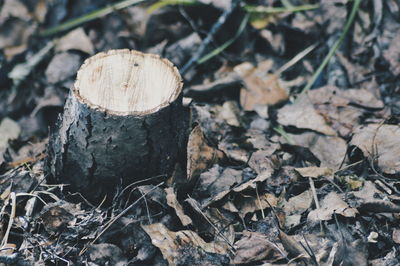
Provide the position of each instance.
(122, 122)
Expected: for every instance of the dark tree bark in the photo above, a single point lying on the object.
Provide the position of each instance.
(122, 122)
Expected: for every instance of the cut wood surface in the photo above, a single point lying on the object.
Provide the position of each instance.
(122, 122)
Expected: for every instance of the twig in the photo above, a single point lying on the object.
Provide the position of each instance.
(259, 202)
(140, 181)
(215, 28)
(215, 228)
(314, 192)
(11, 220)
(32, 195)
(337, 44)
(311, 254)
(275, 215)
(222, 47)
(147, 207)
(113, 220)
(296, 59)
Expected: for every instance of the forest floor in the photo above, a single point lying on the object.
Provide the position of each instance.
(300, 100)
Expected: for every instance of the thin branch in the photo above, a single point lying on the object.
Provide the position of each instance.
(214, 30)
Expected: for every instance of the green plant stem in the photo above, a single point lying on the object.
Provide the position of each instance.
(274, 10)
(337, 44)
(219, 49)
(90, 16)
(280, 130)
(163, 3)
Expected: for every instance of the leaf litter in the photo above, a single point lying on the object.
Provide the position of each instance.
(270, 174)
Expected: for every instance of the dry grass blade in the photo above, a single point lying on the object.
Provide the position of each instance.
(113, 220)
(11, 220)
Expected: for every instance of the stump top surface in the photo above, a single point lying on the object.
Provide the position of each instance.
(125, 81)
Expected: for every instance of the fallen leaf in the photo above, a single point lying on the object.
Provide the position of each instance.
(8, 249)
(392, 55)
(250, 204)
(293, 247)
(230, 113)
(261, 163)
(381, 144)
(9, 130)
(396, 235)
(328, 149)
(298, 204)
(200, 156)
(62, 66)
(343, 108)
(75, 40)
(215, 184)
(105, 254)
(261, 88)
(173, 202)
(332, 203)
(253, 247)
(370, 199)
(314, 171)
(21, 71)
(171, 243)
(353, 182)
(56, 219)
(292, 220)
(252, 183)
(303, 115)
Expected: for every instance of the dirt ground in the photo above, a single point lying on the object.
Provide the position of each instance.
(293, 138)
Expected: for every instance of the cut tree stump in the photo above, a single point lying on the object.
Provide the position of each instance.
(122, 122)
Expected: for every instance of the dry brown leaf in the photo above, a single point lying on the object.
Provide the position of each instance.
(216, 183)
(171, 243)
(75, 40)
(328, 149)
(173, 202)
(303, 115)
(380, 143)
(200, 156)
(261, 88)
(332, 203)
(230, 113)
(252, 183)
(16, 27)
(314, 171)
(392, 55)
(8, 249)
(370, 199)
(298, 204)
(62, 66)
(253, 247)
(292, 246)
(396, 235)
(261, 163)
(343, 108)
(56, 219)
(250, 204)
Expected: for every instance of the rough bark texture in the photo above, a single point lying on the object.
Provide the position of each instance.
(94, 150)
